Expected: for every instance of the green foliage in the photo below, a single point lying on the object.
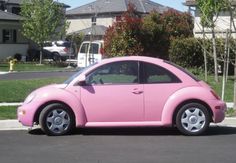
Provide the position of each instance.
(123, 37)
(186, 52)
(177, 24)
(42, 20)
(209, 9)
(161, 29)
(150, 36)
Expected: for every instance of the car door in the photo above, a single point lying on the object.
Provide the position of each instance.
(159, 85)
(113, 94)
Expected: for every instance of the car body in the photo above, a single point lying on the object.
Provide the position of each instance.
(125, 92)
(90, 52)
(60, 50)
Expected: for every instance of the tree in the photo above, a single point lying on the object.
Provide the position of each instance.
(42, 21)
(210, 10)
(123, 37)
(161, 29)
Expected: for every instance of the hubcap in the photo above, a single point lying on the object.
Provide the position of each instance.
(58, 121)
(193, 119)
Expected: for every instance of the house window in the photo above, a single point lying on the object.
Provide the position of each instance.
(9, 36)
(16, 10)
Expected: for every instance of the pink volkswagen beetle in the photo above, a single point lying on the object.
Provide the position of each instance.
(125, 92)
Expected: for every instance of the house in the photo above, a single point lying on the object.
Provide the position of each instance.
(102, 13)
(11, 39)
(221, 25)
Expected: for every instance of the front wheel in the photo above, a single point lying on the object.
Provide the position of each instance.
(56, 119)
(192, 119)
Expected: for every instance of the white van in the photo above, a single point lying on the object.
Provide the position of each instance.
(89, 53)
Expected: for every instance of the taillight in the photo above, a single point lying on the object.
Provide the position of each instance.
(215, 95)
(101, 51)
(66, 49)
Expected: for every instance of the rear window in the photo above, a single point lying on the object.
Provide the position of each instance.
(63, 44)
(94, 48)
(183, 70)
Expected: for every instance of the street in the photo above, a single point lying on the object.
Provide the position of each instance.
(121, 145)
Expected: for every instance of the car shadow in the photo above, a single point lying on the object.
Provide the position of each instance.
(143, 131)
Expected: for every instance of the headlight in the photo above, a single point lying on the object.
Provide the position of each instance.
(30, 98)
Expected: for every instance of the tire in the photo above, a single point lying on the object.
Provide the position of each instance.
(192, 119)
(56, 57)
(56, 120)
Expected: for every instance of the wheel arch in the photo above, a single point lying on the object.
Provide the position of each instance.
(191, 101)
(40, 109)
(79, 117)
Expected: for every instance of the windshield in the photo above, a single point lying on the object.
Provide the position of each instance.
(77, 74)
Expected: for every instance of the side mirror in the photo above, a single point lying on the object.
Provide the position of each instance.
(82, 80)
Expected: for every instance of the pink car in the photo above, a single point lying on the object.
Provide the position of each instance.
(125, 92)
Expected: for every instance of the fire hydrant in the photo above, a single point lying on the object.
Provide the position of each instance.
(12, 63)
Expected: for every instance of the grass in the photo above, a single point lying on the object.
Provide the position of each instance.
(229, 88)
(33, 67)
(8, 112)
(17, 90)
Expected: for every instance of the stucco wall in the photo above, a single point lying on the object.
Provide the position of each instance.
(82, 23)
(221, 25)
(7, 50)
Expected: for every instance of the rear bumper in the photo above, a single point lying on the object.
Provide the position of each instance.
(219, 108)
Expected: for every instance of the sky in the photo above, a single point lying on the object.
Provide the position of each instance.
(177, 4)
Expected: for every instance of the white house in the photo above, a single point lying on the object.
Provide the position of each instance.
(105, 12)
(221, 25)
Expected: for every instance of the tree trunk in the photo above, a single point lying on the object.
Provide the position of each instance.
(41, 54)
(215, 55)
(204, 53)
(235, 83)
(225, 57)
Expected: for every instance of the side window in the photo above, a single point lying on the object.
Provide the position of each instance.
(125, 72)
(156, 74)
(84, 48)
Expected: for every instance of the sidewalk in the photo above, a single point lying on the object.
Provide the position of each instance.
(15, 125)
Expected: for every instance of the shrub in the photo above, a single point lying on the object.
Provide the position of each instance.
(18, 57)
(186, 52)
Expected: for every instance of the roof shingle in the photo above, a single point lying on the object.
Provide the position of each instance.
(116, 6)
(9, 16)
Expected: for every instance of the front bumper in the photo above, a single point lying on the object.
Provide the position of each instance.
(25, 115)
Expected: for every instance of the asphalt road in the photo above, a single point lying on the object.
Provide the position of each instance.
(132, 145)
(34, 75)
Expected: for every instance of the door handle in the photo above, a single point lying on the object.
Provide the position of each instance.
(137, 92)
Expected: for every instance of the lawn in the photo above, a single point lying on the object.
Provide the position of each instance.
(8, 112)
(17, 90)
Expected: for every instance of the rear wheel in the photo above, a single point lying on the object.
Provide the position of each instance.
(192, 119)
(56, 57)
(56, 119)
